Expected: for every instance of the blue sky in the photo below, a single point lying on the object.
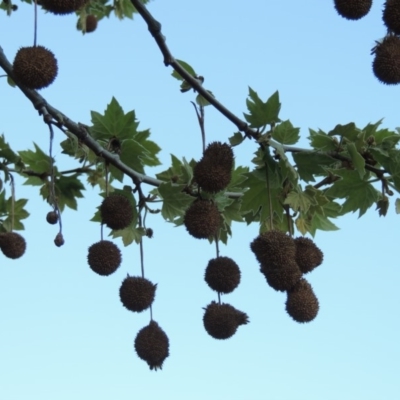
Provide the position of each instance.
(64, 332)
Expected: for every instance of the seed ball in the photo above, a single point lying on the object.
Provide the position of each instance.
(52, 217)
(91, 23)
(353, 9)
(35, 67)
(116, 211)
(12, 244)
(62, 7)
(59, 240)
(386, 64)
(202, 219)
(104, 257)
(308, 255)
(302, 304)
(391, 15)
(152, 345)
(137, 293)
(222, 320)
(284, 277)
(222, 274)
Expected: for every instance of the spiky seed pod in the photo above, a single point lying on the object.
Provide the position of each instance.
(284, 277)
(353, 9)
(152, 345)
(302, 304)
(202, 219)
(52, 217)
(308, 255)
(391, 15)
(137, 293)
(386, 64)
(91, 23)
(36, 67)
(116, 211)
(222, 320)
(12, 244)
(62, 7)
(214, 171)
(222, 274)
(273, 249)
(104, 257)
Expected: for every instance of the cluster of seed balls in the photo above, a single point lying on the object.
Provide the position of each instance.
(212, 174)
(283, 261)
(386, 64)
(136, 293)
(36, 67)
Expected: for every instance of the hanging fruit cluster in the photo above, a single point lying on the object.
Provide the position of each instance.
(386, 64)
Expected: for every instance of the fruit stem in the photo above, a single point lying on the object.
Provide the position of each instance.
(35, 24)
(200, 118)
(271, 211)
(12, 183)
(216, 244)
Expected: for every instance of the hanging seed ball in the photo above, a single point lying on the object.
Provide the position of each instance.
(273, 249)
(391, 15)
(222, 320)
(386, 64)
(353, 9)
(116, 211)
(283, 278)
(302, 304)
(12, 244)
(52, 217)
(91, 23)
(36, 67)
(214, 171)
(152, 345)
(308, 255)
(59, 240)
(222, 274)
(104, 257)
(202, 219)
(137, 293)
(62, 7)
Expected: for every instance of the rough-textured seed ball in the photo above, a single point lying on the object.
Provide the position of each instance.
(386, 64)
(308, 255)
(104, 257)
(137, 293)
(116, 211)
(284, 277)
(353, 9)
(222, 274)
(35, 67)
(91, 23)
(214, 171)
(273, 249)
(52, 217)
(152, 345)
(62, 7)
(202, 219)
(391, 15)
(302, 304)
(12, 244)
(222, 320)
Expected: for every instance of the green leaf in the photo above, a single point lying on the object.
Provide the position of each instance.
(397, 206)
(357, 159)
(285, 133)
(298, 200)
(310, 164)
(260, 113)
(129, 234)
(201, 101)
(175, 201)
(19, 213)
(321, 141)
(359, 194)
(382, 206)
(348, 131)
(124, 9)
(238, 179)
(187, 67)
(11, 82)
(6, 151)
(322, 223)
(37, 160)
(236, 139)
(114, 123)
